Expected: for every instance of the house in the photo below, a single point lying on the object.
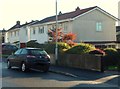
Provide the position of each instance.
(91, 25)
(119, 13)
(2, 35)
(118, 35)
(18, 34)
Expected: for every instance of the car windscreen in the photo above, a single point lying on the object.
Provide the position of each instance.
(37, 52)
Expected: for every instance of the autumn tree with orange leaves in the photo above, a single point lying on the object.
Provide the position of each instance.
(67, 38)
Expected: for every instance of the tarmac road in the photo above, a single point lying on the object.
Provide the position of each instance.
(16, 78)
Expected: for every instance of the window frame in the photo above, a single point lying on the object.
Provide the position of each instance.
(41, 30)
(34, 31)
(99, 26)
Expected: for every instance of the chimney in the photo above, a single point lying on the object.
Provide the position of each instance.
(18, 23)
(32, 20)
(77, 9)
(26, 22)
(60, 13)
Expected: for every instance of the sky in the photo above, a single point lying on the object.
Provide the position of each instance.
(27, 10)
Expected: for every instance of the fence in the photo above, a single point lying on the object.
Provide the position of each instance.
(86, 61)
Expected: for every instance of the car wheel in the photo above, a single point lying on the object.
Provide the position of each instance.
(23, 67)
(8, 64)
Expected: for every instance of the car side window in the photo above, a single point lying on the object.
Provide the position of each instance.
(18, 52)
(24, 51)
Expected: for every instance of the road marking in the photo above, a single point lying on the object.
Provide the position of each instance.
(105, 79)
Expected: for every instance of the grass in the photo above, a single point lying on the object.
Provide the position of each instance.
(113, 68)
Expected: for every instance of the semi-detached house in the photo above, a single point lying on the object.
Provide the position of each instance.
(91, 25)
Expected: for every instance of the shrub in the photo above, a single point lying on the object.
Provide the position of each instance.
(34, 44)
(80, 49)
(112, 56)
(97, 51)
(50, 48)
(63, 46)
(112, 52)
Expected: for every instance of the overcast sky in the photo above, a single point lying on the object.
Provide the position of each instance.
(27, 10)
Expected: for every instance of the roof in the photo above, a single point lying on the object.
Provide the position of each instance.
(19, 26)
(14, 27)
(68, 15)
(71, 15)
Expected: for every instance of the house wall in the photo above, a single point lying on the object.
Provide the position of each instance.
(12, 36)
(85, 27)
(23, 38)
(0, 38)
(40, 37)
(119, 12)
(65, 25)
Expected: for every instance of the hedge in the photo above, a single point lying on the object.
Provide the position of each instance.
(49, 47)
(81, 48)
(112, 57)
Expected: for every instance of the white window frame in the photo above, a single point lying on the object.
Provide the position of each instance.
(41, 30)
(33, 30)
(65, 27)
(99, 26)
(26, 31)
(11, 34)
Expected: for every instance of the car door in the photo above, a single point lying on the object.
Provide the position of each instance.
(22, 56)
(15, 57)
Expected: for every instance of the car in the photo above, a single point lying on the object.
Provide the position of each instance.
(29, 58)
(8, 49)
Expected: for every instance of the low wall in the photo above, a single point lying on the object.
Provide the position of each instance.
(86, 61)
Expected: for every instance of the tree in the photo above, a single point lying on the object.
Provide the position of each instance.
(52, 35)
(67, 38)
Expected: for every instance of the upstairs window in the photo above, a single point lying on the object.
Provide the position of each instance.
(26, 31)
(15, 33)
(98, 26)
(11, 34)
(33, 30)
(18, 33)
(65, 27)
(41, 30)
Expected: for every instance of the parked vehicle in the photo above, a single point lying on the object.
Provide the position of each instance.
(8, 49)
(27, 58)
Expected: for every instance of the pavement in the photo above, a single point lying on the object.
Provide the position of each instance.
(110, 77)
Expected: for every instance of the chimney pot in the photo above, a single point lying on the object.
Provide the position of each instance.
(77, 9)
(60, 13)
(18, 22)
